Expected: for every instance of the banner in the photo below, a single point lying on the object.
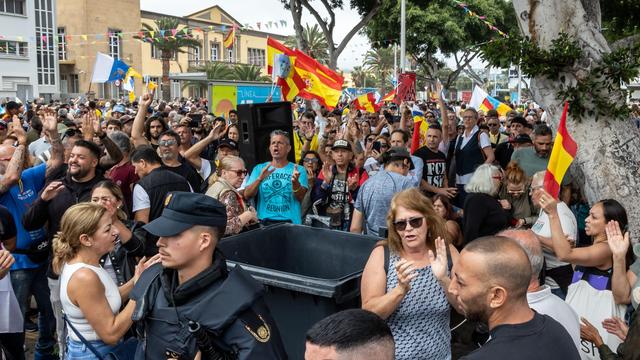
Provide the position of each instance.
(223, 99)
(407, 87)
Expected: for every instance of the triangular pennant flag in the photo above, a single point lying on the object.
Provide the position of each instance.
(174, 32)
(152, 33)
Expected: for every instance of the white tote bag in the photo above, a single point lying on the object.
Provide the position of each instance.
(595, 306)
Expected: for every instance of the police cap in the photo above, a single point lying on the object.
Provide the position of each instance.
(184, 210)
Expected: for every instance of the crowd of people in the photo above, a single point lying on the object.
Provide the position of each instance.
(111, 213)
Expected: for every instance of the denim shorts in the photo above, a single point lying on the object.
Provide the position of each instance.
(76, 350)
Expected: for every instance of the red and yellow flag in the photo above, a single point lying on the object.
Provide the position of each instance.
(292, 83)
(321, 83)
(563, 153)
(230, 38)
(391, 96)
(367, 102)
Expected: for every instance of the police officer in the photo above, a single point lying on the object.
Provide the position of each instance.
(191, 303)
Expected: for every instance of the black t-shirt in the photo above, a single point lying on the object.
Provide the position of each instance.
(188, 172)
(540, 338)
(435, 166)
(7, 225)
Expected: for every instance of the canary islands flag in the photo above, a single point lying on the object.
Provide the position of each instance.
(480, 100)
(562, 155)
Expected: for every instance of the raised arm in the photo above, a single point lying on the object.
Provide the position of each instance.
(193, 154)
(16, 164)
(50, 127)
(137, 128)
(621, 279)
(114, 154)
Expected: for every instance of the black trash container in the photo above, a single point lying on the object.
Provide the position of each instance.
(308, 273)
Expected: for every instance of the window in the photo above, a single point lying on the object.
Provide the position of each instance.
(230, 52)
(215, 50)
(157, 54)
(256, 57)
(62, 44)
(13, 48)
(74, 83)
(115, 45)
(45, 50)
(194, 56)
(12, 6)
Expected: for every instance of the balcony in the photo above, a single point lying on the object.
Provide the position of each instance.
(194, 65)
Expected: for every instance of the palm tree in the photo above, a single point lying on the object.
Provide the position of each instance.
(318, 48)
(358, 76)
(214, 71)
(168, 45)
(380, 62)
(245, 72)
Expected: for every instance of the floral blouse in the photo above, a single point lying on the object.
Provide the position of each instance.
(234, 209)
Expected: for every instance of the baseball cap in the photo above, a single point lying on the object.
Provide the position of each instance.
(341, 144)
(228, 143)
(119, 108)
(521, 139)
(184, 210)
(397, 153)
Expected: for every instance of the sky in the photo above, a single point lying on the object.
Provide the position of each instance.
(264, 11)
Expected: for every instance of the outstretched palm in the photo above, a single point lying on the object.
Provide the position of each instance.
(439, 263)
(617, 242)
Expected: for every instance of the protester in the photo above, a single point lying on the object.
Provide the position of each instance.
(374, 196)
(227, 306)
(513, 195)
(517, 138)
(539, 296)
(433, 154)
(228, 178)
(123, 173)
(91, 300)
(400, 138)
(120, 262)
(278, 186)
(483, 213)
(313, 165)
(305, 138)
(495, 135)
(350, 334)
(374, 157)
(590, 293)
(150, 192)
(490, 281)
(404, 283)
(558, 274)
(169, 151)
(442, 206)
(11, 323)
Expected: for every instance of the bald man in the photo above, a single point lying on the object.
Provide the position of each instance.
(540, 297)
(490, 281)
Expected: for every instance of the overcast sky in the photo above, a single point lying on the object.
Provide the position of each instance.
(263, 11)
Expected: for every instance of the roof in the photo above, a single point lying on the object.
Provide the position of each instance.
(212, 8)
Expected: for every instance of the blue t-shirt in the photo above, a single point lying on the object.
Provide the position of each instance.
(18, 200)
(275, 195)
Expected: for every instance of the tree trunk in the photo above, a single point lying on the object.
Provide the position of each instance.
(608, 158)
(296, 13)
(166, 86)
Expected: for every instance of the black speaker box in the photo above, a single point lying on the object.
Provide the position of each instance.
(256, 122)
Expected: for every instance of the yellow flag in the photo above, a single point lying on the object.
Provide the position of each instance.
(151, 86)
(132, 96)
(84, 37)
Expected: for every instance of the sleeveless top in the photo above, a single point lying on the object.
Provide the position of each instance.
(420, 324)
(73, 312)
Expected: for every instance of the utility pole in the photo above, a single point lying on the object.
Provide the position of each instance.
(403, 32)
(395, 64)
(519, 86)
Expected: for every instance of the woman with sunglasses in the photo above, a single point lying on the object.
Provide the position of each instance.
(374, 153)
(227, 179)
(406, 284)
(483, 214)
(312, 165)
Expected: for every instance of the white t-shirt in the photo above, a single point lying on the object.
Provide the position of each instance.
(10, 315)
(484, 142)
(544, 302)
(205, 168)
(141, 199)
(542, 227)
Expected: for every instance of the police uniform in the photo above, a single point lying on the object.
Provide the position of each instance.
(218, 312)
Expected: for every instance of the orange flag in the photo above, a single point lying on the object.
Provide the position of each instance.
(366, 102)
(563, 153)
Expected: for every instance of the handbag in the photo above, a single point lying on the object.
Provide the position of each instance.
(123, 351)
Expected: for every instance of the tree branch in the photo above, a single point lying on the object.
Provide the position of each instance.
(357, 28)
(332, 15)
(625, 42)
(321, 22)
(296, 13)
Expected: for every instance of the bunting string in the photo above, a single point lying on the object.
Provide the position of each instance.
(482, 18)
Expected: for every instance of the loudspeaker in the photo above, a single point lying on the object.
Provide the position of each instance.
(256, 122)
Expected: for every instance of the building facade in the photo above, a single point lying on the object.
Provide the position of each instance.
(28, 50)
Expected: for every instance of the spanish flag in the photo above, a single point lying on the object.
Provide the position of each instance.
(321, 83)
(230, 38)
(420, 127)
(389, 97)
(563, 153)
(291, 83)
(366, 102)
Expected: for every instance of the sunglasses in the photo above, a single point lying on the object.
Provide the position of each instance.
(401, 225)
(492, 125)
(240, 172)
(70, 133)
(167, 142)
(310, 160)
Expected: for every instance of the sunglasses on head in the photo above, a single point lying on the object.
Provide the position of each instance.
(167, 142)
(401, 225)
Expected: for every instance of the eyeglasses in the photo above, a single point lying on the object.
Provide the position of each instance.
(167, 142)
(492, 124)
(240, 172)
(310, 160)
(401, 225)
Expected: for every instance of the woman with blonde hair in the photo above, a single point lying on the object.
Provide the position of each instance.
(406, 284)
(91, 300)
(515, 197)
(224, 184)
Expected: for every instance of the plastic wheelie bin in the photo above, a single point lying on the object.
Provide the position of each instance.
(308, 273)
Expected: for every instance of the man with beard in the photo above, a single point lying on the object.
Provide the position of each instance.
(56, 197)
(169, 151)
(490, 281)
(278, 185)
(305, 138)
(505, 149)
(434, 174)
(536, 158)
(146, 132)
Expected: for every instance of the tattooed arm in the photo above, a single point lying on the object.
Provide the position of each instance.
(50, 127)
(16, 164)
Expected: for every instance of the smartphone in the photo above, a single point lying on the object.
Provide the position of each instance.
(376, 146)
(196, 120)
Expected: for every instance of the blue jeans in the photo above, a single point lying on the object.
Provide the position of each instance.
(76, 350)
(34, 281)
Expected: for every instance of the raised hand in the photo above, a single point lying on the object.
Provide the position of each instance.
(145, 100)
(439, 262)
(353, 181)
(616, 326)
(49, 123)
(6, 260)
(406, 272)
(617, 242)
(144, 264)
(547, 202)
(52, 190)
(311, 177)
(589, 332)
(295, 178)
(327, 174)
(18, 131)
(266, 171)
(218, 131)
